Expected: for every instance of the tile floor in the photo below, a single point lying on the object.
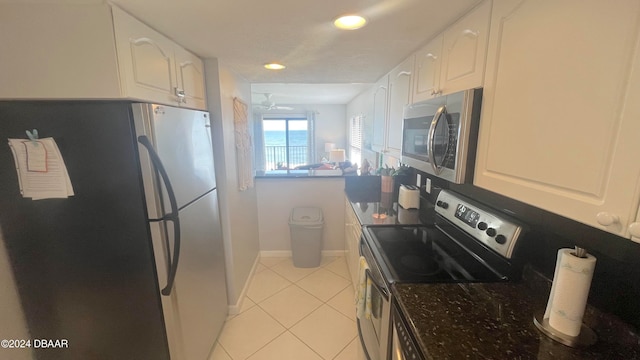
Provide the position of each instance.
(294, 313)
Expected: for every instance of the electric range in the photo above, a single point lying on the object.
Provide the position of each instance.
(468, 242)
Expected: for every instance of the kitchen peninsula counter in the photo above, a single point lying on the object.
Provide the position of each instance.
(279, 174)
(495, 321)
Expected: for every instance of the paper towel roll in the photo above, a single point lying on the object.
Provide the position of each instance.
(569, 291)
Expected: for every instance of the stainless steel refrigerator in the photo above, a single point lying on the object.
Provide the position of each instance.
(131, 266)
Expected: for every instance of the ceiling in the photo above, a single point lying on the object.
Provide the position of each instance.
(246, 34)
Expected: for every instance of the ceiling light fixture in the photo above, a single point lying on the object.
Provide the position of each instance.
(350, 22)
(274, 66)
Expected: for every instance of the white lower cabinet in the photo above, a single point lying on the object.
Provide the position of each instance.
(96, 51)
(561, 116)
(352, 233)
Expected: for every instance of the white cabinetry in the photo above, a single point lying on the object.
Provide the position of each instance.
(427, 70)
(380, 92)
(454, 60)
(391, 93)
(399, 96)
(560, 118)
(352, 233)
(190, 77)
(464, 49)
(70, 51)
(155, 68)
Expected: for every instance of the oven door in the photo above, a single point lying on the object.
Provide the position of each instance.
(374, 322)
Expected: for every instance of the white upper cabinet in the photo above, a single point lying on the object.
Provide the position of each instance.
(454, 60)
(634, 228)
(145, 58)
(67, 51)
(561, 115)
(399, 96)
(190, 78)
(155, 68)
(464, 50)
(390, 94)
(427, 70)
(380, 94)
(50, 51)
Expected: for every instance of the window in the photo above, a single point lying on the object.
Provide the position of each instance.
(286, 142)
(355, 139)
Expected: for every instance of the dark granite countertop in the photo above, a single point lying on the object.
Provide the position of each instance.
(385, 213)
(292, 174)
(495, 321)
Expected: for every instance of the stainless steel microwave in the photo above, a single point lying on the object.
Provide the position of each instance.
(439, 135)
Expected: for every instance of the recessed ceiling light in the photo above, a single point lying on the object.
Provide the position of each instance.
(274, 66)
(350, 22)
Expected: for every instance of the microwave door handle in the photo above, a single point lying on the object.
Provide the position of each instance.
(430, 139)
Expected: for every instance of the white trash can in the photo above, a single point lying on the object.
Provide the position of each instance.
(305, 225)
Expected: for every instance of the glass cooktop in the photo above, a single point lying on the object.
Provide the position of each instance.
(424, 254)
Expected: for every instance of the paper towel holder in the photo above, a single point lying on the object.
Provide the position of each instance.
(586, 337)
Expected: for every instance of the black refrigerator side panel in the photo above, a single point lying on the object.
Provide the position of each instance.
(84, 265)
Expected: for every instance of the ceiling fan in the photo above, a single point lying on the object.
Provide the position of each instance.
(269, 104)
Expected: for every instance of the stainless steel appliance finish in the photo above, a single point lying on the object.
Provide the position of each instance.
(188, 247)
(457, 248)
(439, 136)
(403, 346)
(131, 266)
(374, 332)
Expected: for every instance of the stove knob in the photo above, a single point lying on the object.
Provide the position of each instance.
(482, 225)
(442, 204)
(501, 239)
(491, 232)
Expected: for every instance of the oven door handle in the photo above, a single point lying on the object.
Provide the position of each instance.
(381, 289)
(431, 138)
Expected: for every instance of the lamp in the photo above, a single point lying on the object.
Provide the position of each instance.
(337, 156)
(328, 147)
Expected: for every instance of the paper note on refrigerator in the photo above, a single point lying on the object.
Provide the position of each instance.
(42, 173)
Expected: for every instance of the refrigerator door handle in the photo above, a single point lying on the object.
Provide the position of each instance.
(172, 216)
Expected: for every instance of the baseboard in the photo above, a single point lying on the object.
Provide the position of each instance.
(334, 252)
(234, 309)
(287, 253)
(275, 253)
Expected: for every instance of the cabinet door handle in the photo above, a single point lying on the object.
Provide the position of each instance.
(431, 56)
(406, 73)
(634, 229)
(436, 92)
(606, 219)
(470, 33)
(181, 95)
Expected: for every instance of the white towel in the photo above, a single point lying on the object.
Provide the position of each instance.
(363, 293)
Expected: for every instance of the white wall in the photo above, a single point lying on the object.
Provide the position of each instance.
(330, 124)
(238, 209)
(276, 198)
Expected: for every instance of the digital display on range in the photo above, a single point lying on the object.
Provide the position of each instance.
(467, 215)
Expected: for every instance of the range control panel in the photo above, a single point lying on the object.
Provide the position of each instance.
(486, 225)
